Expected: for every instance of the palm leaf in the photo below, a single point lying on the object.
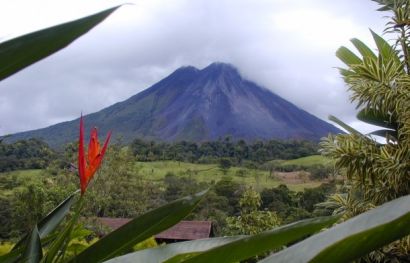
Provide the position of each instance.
(49, 223)
(347, 56)
(385, 133)
(260, 243)
(33, 252)
(353, 238)
(163, 253)
(21, 52)
(139, 229)
(364, 50)
(377, 118)
(386, 51)
(344, 125)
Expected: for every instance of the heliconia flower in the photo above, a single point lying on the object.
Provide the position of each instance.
(89, 164)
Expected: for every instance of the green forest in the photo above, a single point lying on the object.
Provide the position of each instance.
(136, 186)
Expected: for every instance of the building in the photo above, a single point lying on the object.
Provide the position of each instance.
(183, 231)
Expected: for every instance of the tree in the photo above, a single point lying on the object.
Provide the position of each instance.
(224, 165)
(251, 220)
(380, 86)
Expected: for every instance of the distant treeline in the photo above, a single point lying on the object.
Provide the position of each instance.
(211, 152)
(25, 154)
(35, 154)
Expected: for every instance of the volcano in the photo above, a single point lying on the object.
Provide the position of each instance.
(196, 105)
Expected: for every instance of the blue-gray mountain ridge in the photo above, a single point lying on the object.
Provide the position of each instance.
(196, 105)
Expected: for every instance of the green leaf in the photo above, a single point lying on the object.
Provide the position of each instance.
(163, 253)
(344, 125)
(49, 223)
(385, 133)
(348, 57)
(354, 238)
(386, 51)
(377, 118)
(260, 243)
(364, 50)
(20, 52)
(12, 256)
(33, 252)
(139, 229)
(60, 243)
(387, 5)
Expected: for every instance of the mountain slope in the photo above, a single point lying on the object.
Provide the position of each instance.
(197, 105)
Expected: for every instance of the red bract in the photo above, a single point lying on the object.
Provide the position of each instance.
(88, 164)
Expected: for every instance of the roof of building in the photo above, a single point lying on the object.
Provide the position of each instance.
(187, 230)
(184, 230)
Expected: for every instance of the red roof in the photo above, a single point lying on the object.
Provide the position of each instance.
(187, 230)
(184, 230)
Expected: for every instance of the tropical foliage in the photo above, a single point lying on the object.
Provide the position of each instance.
(379, 83)
(380, 86)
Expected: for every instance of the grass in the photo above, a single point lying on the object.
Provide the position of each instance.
(308, 161)
(156, 171)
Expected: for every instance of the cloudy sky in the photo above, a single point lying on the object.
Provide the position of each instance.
(287, 46)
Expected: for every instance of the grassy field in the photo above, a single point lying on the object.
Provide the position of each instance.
(259, 179)
(308, 161)
(156, 171)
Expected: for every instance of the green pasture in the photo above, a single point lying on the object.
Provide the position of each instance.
(309, 161)
(156, 171)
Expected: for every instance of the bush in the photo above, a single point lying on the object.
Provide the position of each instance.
(240, 172)
(319, 172)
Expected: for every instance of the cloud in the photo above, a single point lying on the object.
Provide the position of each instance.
(286, 46)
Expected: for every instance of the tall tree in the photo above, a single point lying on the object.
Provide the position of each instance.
(379, 83)
(380, 86)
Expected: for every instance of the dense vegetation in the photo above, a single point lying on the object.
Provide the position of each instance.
(132, 192)
(238, 151)
(25, 154)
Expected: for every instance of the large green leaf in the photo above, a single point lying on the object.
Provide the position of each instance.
(139, 229)
(49, 223)
(260, 243)
(227, 249)
(348, 57)
(386, 133)
(12, 256)
(354, 238)
(20, 52)
(33, 252)
(364, 50)
(387, 5)
(58, 246)
(386, 51)
(377, 118)
(162, 253)
(345, 126)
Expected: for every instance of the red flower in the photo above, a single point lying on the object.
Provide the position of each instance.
(88, 164)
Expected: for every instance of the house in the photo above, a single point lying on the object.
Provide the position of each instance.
(183, 231)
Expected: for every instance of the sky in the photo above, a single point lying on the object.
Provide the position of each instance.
(286, 46)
